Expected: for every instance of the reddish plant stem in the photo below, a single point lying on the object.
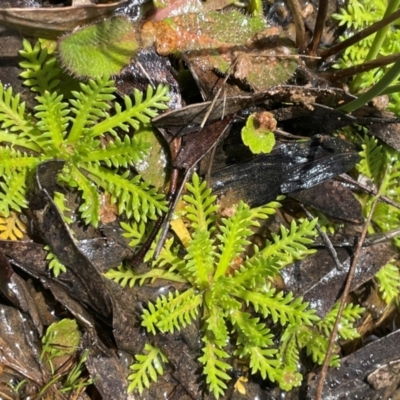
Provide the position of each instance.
(319, 27)
(346, 291)
(295, 9)
(356, 69)
(360, 35)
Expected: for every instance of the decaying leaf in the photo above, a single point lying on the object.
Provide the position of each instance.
(332, 199)
(172, 8)
(319, 282)
(290, 167)
(50, 23)
(195, 32)
(11, 227)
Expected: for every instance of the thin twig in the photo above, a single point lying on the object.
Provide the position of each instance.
(391, 75)
(325, 239)
(166, 222)
(370, 190)
(295, 9)
(381, 237)
(319, 27)
(346, 291)
(360, 35)
(144, 72)
(333, 76)
(375, 48)
(216, 96)
(288, 135)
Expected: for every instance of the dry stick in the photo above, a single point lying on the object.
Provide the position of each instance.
(325, 239)
(144, 72)
(373, 192)
(216, 96)
(170, 213)
(356, 69)
(381, 237)
(139, 256)
(360, 35)
(295, 9)
(319, 27)
(176, 195)
(346, 291)
(282, 133)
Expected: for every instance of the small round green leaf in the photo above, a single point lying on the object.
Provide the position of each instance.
(257, 135)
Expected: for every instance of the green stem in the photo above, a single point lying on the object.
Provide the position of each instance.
(391, 89)
(375, 90)
(376, 44)
(255, 8)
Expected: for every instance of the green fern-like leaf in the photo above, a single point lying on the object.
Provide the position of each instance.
(282, 309)
(215, 326)
(51, 113)
(357, 15)
(134, 196)
(169, 257)
(89, 106)
(70, 130)
(346, 330)
(225, 283)
(263, 361)
(59, 200)
(250, 331)
(172, 312)
(235, 233)
(134, 231)
(199, 259)
(291, 244)
(142, 111)
(54, 263)
(253, 272)
(12, 193)
(41, 69)
(90, 207)
(289, 351)
(389, 282)
(316, 346)
(126, 276)
(215, 368)
(120, 153)
(147, 368)
(15, 127)
(372, 159)
(201, 209)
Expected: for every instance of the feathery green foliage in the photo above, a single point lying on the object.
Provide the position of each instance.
(74, 130)
(388, 278)
(381, 165)
(314, 339)
(55, 264)
(357, 15)
(231, 290)
(148, 365)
